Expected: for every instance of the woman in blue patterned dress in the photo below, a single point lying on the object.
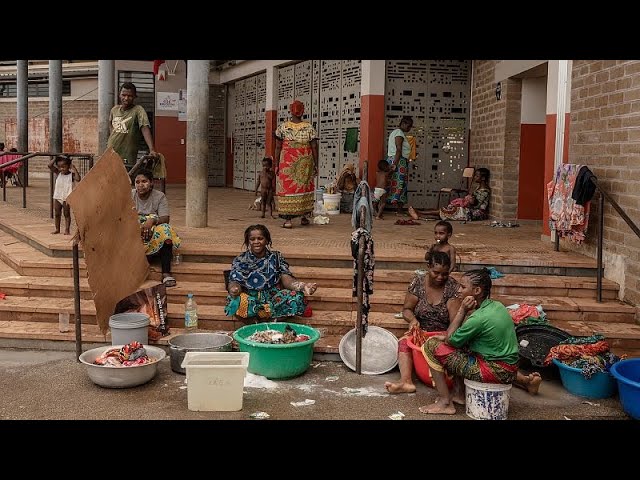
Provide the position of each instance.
(261, 286)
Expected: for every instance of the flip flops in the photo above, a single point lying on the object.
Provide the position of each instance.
(169, 281)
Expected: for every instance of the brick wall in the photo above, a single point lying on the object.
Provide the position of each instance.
(605, 135)
(79, 128)
(495, 136)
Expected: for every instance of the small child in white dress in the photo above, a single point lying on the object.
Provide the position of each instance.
(67, 174)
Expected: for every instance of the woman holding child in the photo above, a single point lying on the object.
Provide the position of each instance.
(474, 206)
(296, 166)
(261, 286)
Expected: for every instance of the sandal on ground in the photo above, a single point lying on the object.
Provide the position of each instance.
(287, 224)
(304, 221)
(169, 281)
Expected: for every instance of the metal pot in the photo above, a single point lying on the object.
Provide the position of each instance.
(196, 342)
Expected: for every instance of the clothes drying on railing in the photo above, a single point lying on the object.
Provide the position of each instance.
(368, 266)
(362, 198)
(568, 218)
(584, 188)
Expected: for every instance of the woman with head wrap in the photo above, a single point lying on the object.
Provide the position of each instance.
(296, 166)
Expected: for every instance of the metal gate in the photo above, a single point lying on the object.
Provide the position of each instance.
(216, 134)
(436, 94)
(249, 130)
(330, 91)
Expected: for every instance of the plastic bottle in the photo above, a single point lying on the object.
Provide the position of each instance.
(190, 314)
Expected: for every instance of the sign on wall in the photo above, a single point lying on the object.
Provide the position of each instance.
(167, 101)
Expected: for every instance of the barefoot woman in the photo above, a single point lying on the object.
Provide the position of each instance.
(490, 353)
(296, 166)
(429, 304)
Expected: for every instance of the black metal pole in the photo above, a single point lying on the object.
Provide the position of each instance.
(24, 186)
(51, 194)
(600, 242)
(556, 245)
(76, 298)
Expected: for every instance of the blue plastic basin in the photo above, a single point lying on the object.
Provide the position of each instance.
(627, 373)
(600, 385)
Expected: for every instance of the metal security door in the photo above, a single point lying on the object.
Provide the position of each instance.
(436, 94)
(215, 127)
(330, 91)
(249, 130)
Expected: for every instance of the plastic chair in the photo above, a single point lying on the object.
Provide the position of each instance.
(460, 192)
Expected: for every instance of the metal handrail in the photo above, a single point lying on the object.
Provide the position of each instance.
(26, 156)
(603, 196)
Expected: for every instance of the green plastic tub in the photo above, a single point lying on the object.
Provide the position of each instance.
(277, 360)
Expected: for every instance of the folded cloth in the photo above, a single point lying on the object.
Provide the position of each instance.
(378, 192)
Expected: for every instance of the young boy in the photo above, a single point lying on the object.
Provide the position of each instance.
(265, 183)
(442, 232)
(67, 174)
(382, 184)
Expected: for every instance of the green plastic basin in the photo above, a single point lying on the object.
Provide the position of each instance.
(277, 360)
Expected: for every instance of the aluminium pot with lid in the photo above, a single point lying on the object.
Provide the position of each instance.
(196, 342)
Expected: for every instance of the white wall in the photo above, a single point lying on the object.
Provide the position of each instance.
(247, 68)
(87, 88)
(534, 100)
(510, 68)
(173, 83)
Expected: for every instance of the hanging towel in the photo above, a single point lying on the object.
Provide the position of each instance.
(351, 140)
(584, 188)
(362, 197)
(367, 278)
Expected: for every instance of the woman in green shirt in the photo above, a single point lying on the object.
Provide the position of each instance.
(482, 348)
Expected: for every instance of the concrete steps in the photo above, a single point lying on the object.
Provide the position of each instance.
(40, 286)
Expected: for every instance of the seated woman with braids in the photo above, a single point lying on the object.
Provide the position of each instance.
(261, 286)
(481, 346)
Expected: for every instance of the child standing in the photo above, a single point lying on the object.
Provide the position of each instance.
(266, 184)
(67, 174)
(442, 232)
(382, 184)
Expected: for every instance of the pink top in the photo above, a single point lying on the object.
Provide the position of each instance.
(8, 158)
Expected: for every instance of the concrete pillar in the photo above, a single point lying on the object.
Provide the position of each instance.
(271, 111)
(197, 145)
(22, 78)
(372, 134)
(55, 106)
(557, 125)
(106, 100)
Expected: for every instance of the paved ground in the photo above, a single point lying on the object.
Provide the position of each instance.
(39, 385)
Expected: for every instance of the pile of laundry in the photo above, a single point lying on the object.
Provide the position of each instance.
(274, 336)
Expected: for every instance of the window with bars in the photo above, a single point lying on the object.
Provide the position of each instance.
(35, 89)
(145, 91)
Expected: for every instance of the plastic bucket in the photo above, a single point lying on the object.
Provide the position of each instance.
(487, 401)
(420, 364)
(215, 380)
(277, 360)
(332, 202)
(129, 327)
(627, 373)
(600, 385)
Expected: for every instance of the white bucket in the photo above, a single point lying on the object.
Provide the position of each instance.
(487, 401)
(332, 202)
(128, 327)
(215, 380)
